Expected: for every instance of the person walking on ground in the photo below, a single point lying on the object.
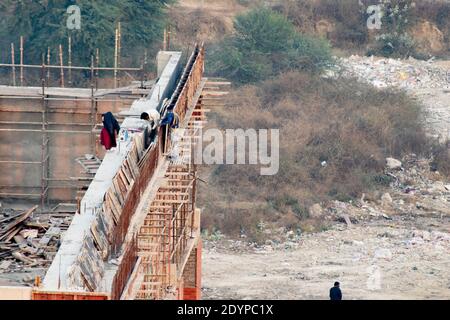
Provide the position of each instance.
(111, 128)
(335, 292)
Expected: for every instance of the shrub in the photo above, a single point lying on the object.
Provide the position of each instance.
(394, 45)
(265, 44)
(351, 126)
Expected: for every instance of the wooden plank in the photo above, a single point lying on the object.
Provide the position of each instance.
(127, 171)
(51, 232)
(124, 179)
(24, 217)
(114, 205)
(117, 192)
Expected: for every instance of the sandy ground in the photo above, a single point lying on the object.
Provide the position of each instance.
(376, 260)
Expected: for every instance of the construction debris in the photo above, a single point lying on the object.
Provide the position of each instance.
(29, 241)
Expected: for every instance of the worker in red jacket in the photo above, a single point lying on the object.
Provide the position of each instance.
(110, 131)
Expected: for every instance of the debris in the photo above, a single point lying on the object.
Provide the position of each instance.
(383, 254)
(23, 258)
(392, 163)
(6, 233)
(5, 264)
(29, 233)
(384, 72)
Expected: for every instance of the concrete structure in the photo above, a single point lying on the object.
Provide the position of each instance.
(136, 234)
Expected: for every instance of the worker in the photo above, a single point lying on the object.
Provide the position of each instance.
(171, 119)
(110, 131)
(335, 292)
(150, 131)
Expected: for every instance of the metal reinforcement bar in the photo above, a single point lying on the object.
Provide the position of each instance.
(170, 245)
(146, 173)
(125, 269)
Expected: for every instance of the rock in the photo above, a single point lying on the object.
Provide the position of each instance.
(386, 200)
(316, 211)
(428, 37)
(392, 163)
(439, 187)
(325, 28)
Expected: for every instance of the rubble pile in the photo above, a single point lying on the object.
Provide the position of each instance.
(414, 190)
(29, 240)
(406, 74)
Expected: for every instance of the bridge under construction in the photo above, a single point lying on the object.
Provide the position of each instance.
(125, 221)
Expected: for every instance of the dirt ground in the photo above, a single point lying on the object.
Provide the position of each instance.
(376, 260)
(403, 256)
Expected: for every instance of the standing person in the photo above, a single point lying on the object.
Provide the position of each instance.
(335, 292)
(111, 128)
(170, 121)
(150, 131)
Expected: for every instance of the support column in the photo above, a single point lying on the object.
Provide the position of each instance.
(192, 276)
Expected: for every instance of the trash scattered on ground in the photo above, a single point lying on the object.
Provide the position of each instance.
(386, 72)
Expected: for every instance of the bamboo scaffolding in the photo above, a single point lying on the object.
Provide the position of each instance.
(119, 49)
(70, 59)
(116, 57)
(61, 62)
(48, 66)
(21, 61)
(13, 65)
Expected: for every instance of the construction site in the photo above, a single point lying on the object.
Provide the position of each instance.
(360, 193)
(79, 223)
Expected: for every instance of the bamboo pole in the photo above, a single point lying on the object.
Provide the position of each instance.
(165, 40)
(67, 67)
(61, 62)
(93, 111)
(119, 50)
(13, 65)
(97, 62)
(48, 69)
(70, 60)
(115, 58)
(21, 61)
(168, 38)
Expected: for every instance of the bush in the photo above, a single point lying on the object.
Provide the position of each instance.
(265, 44)
(394, 45)
(351, 126)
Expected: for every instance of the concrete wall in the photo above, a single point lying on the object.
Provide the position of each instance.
(64, 148)
(15, 293)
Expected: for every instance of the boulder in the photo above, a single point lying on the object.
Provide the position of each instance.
(316, 211)
(386, 200)
(392, 163)
(428, 37)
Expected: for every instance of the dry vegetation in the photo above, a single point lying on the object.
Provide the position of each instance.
(343, 22)
(350, 126)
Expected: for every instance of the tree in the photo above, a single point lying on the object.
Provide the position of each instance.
(266, 44)
(43, 23)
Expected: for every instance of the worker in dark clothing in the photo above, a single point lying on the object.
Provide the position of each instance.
(335, 292)
(171, 119)
(111, 128)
